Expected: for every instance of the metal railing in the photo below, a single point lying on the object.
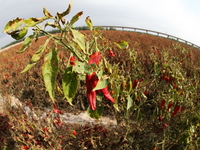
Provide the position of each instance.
(160, 34)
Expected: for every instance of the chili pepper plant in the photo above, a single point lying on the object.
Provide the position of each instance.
(152, 94)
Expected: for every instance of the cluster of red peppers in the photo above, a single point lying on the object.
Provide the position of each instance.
(92, 80)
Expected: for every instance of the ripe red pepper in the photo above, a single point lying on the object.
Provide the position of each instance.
(111, 53)
(169, 106)
(94, 58)
(162, 104)
(72, 60)
(176, 109)
(91, 82)
(107, 94)
(135, 83)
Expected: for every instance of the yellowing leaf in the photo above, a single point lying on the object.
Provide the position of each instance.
(79, 39)
(13, 25)
(47, 13)
(89, 23)
(122, 44)
(75, 18)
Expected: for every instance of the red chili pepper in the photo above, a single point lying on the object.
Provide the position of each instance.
(94, 58)
(25, 147)
(72, 60)
(162, 104)
(169, 106)
(56, 110)
(91, 82)
(107, 94)
(111, 53)
(146, 92)
(74, 133)
(135, 83)
(176, 109)
(160, 118)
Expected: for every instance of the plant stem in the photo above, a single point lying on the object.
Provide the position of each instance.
(62, 43)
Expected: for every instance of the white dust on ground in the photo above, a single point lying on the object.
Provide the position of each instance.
(81, 118)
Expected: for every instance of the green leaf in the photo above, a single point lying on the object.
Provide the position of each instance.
(139, 115)
(96, 114)
(75, 18)
(69, 84)
(27, 42)
(115, 88)
(129, 103)
(50, 71)
(129, 85)
(122, 44)
(28, 67)
(36, 56)
(79, 67)
(79, 39)
(101, 84)
(19, 33)
(89, 23)
(13, 25)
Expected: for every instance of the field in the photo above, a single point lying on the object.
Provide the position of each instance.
(165, 100)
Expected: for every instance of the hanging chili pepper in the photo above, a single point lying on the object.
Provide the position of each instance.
(72, 60)
(91, 82)
(94, 58)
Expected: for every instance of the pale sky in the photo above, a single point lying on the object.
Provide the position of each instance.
(180, 18)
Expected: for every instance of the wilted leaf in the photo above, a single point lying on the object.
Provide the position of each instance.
(60, 15)
(13, 25)
(19, 33)
(96, 114)
(96, 30)
(50, 24)
(89, 23)
(47, 13)
(50, 71)
(78, 38)
(122, 44)
(33, 21)
(75, 18)
(69, 84)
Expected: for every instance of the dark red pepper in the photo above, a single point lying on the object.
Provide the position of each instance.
(176, 109)
(162, 104)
